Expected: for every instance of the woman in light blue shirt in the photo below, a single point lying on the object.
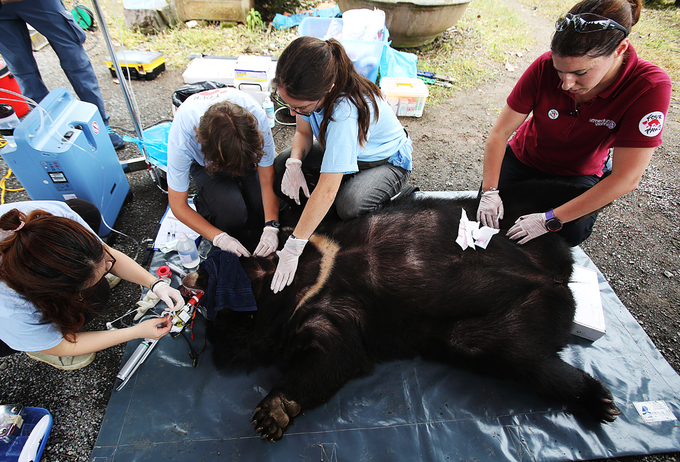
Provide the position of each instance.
(363, 154)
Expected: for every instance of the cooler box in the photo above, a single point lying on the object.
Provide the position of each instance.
(364, 54)
(141, 65)
(30, 438)
(405, 96)
(63, 151)
(253, 75)
(8, 82)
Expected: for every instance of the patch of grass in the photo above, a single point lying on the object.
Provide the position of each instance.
(488, 32)
(656, 36)
(488, 35)
(207, 38)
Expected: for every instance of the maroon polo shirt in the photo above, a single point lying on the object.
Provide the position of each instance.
(562, 141)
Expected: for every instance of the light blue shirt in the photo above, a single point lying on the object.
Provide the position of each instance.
(183, 145)
(386, 138)
(20, 326)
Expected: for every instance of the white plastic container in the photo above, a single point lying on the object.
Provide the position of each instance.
(252, 68)
(188, 253)
(406, 97)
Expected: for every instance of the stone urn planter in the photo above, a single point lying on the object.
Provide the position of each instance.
(413, 23)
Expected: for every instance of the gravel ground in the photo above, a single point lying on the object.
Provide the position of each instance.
(635, 243)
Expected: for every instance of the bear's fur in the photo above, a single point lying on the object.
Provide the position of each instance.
(394, 285)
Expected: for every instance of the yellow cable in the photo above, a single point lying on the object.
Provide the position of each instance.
(4, 188)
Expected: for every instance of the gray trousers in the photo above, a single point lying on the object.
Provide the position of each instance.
(360, 193)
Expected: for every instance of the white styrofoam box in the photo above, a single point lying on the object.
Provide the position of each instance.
(223, 70)
(215, 69)
(589, 318)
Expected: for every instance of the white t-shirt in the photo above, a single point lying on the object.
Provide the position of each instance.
(20, 326)
(183, 145)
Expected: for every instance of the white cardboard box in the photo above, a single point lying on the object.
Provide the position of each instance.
(589, 318)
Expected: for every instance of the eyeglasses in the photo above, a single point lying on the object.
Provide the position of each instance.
(588, 22)
(279, 101)
(109, 266)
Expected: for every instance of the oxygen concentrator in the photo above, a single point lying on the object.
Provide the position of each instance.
(62, 151)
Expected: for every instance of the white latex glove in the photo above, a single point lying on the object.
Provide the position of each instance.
(170, 296)
(230, 244)
(269, 241)
(288, 262)
(293, 180)
(490, 210)
(528, 227)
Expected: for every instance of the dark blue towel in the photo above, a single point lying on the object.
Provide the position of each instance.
(228, 285)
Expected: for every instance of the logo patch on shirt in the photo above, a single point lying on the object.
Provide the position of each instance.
(610, 124)
(651, 124)
(553, 114)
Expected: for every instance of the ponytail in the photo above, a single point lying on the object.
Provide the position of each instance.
(312, 69)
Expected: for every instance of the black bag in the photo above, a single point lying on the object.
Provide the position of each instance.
(182, 93)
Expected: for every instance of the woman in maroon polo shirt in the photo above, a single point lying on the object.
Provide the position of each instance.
(591, 96)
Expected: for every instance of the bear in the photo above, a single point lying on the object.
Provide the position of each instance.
(395, 285)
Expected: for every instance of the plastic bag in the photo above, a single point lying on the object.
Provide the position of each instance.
(182, 93)
(363, 24)
(394, 63)
(155, 142)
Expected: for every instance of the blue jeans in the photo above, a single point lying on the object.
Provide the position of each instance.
(55, 22)
(360, 193)
(514, 170)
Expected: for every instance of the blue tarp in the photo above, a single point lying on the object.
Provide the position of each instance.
(282, 21)
(404, 411)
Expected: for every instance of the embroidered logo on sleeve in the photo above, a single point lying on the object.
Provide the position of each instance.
(651, 124)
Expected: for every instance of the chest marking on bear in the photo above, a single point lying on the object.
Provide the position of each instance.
(329, 249)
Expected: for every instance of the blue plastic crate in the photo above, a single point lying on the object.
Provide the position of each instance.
(365, 54)
(10, 452)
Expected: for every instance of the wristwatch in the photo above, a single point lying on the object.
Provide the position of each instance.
(552, 223)
(273, 224)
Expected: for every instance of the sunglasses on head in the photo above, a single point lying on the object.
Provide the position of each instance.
(588, 22)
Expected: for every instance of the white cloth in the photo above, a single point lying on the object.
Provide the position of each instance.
(470, 234)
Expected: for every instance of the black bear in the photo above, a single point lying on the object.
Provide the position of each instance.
(394, 285)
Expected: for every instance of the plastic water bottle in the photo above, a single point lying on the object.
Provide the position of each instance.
(188, 254)
(8, 119)
(268, 107)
